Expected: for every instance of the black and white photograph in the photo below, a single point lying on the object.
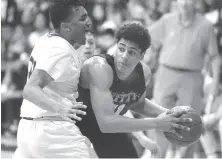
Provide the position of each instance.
(96, 79)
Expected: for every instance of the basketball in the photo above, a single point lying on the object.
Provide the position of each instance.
(188, 137)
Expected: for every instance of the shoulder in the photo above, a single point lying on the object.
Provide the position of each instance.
(53, 42)
(58, 42)
(162, 22)
(99, 71)
(212, 16)
(96, 61)
(98, 65)
(51, 47)
(204, 22)
(147, 72)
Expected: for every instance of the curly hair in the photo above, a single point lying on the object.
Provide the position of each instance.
(134, 32)
(60, 10)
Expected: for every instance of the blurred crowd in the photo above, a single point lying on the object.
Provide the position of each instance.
(25, 21)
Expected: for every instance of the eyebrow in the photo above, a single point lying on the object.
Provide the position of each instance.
(130, 46)
(85, 14)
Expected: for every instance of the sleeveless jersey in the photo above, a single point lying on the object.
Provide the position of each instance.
(124, 93)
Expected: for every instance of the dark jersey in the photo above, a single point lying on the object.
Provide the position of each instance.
(124, 93)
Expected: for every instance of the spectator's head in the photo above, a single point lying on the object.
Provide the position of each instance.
(106, 37)
(41, 22)
(132, 41)
(70, 19)
(186, 6)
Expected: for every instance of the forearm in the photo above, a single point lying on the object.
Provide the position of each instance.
(149, 109)
(37, 96)
(138, 134)
(121, 124)
(155, 109)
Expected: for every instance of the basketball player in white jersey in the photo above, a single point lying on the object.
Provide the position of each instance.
(49, 109)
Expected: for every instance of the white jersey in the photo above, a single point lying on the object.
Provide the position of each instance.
(58, 58)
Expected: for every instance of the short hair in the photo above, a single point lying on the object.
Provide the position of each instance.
(60, 10)
(134, 32)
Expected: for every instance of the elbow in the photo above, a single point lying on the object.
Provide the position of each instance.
(26, 92)
(104, 129)
(105, 126)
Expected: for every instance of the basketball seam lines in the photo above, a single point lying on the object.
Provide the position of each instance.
(195, 125)
(178, 139)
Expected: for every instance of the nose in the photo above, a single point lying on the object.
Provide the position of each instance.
(87, 45)
(125, 56)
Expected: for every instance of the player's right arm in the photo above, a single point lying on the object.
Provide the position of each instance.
(42, 73)
(100, 80)
(34, 93)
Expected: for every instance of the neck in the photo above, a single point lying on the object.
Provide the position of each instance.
(187, 17)
(62, 35)
(124, 74)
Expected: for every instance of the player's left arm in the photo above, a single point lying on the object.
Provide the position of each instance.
(145, 106)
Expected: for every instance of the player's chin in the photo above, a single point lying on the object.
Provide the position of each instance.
(122, 67)
(78, 44)
(81, 40)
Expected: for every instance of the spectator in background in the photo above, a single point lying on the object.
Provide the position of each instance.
(117, 12)
(185, 38)
(152, 12)
(165, 6)
(209, 139)
(11, 93)
(106, 36)
(214, 121)
(13, 69)
(9, 13)
(41, 25)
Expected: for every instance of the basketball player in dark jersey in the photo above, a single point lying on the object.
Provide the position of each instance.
(110, 86)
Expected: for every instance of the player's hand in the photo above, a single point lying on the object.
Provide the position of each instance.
(150, 145)
(71, 112)
(179, 110)
(169, 122)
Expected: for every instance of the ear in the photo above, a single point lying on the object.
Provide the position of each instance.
(65, 26)
(142, 54)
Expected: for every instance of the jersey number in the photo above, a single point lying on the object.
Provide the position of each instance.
(32, 64)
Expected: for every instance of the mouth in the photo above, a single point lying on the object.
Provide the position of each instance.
(88, 53)
(122, 64)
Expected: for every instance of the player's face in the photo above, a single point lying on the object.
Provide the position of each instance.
(128, 55)
(186, 6)
(89, 47)
(78, 25)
